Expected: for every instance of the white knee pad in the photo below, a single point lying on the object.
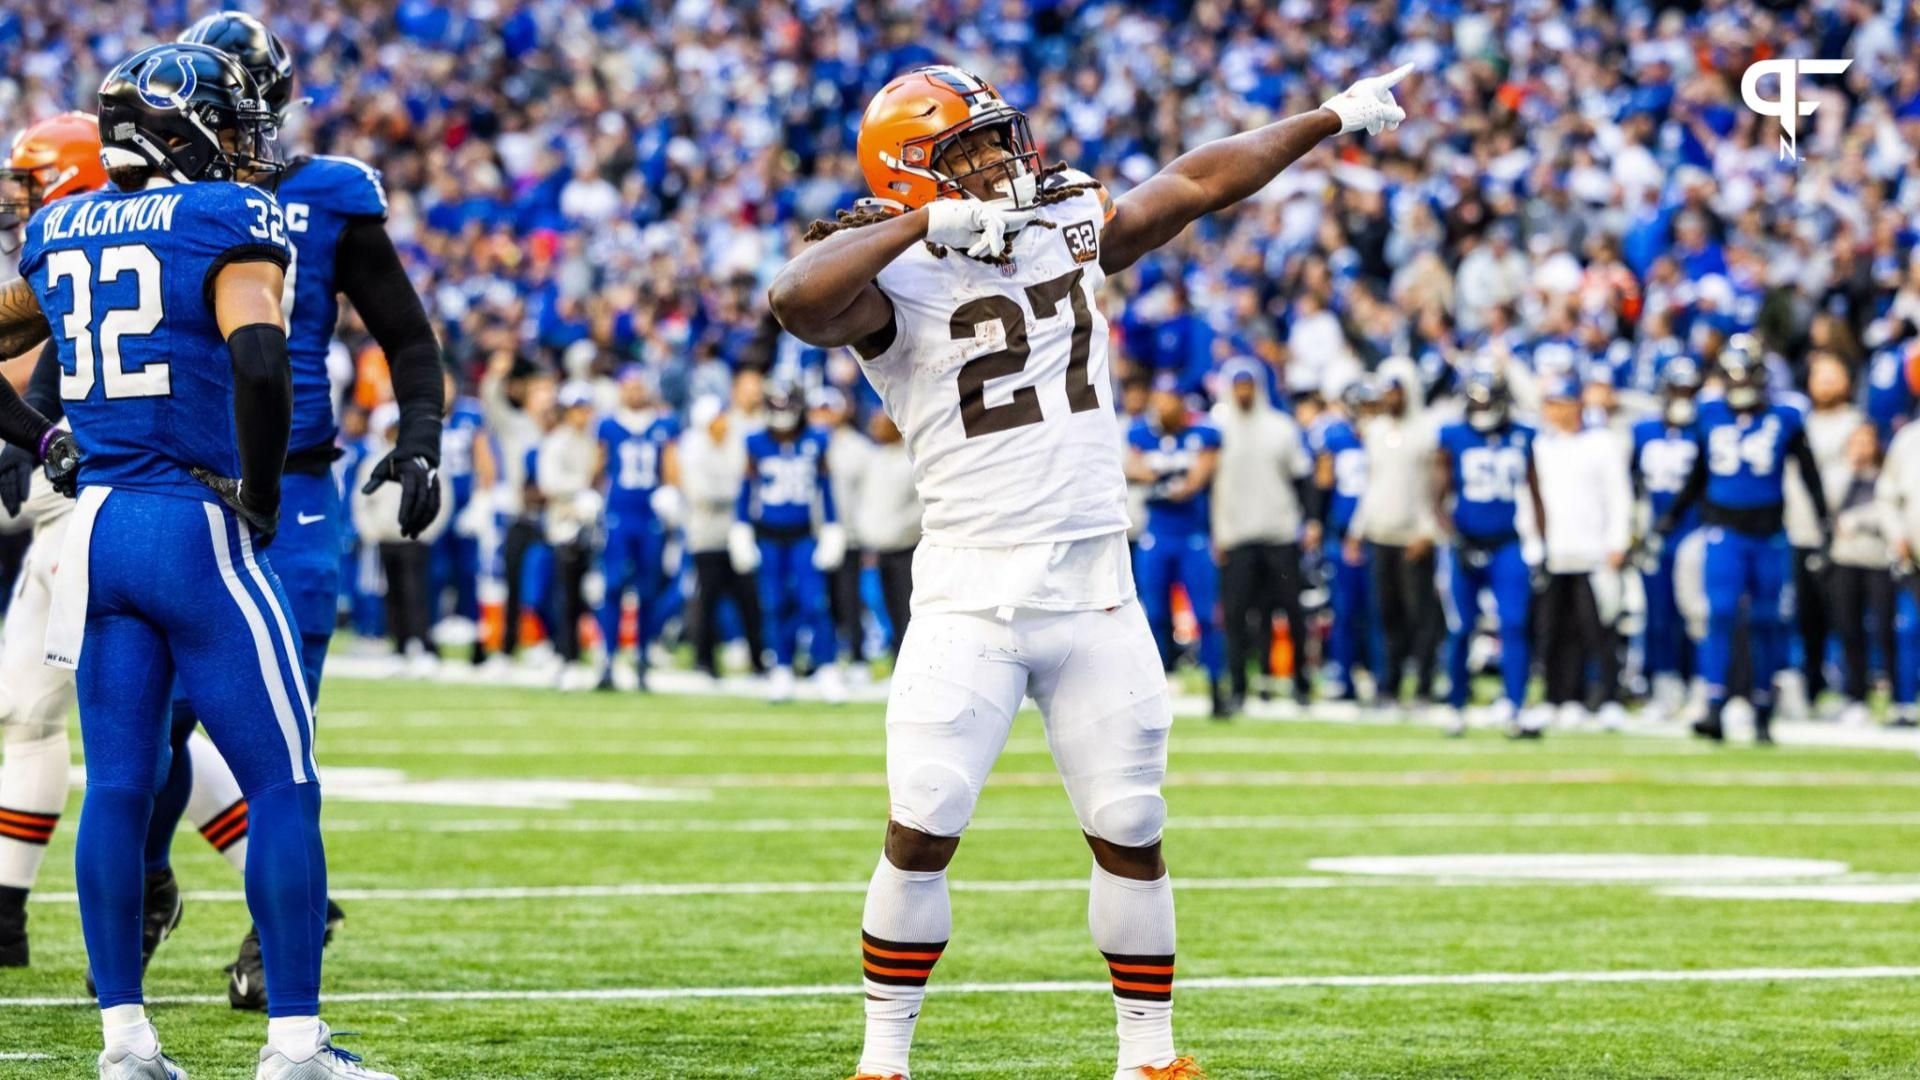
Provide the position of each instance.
(934, 798)
(1130, 821)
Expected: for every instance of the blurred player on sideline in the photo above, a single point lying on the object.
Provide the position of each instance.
(1483, 469)
(1743, 442)
(967, 289)
(1176, 455)
(786, 528)
(639, 444)
(1663, 451)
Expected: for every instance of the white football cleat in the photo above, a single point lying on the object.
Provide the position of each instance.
(1856, 715)
(328, 1062)
(780, 685)
(832, 686)
(122, 1064)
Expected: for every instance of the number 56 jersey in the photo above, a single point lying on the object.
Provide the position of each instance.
(997, 377)
(125, 279)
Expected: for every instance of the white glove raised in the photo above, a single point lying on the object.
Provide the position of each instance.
(830, 549)
(981, 229)
(1368, 104)
(743, 549)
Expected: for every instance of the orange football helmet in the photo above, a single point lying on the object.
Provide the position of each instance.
(56, 157)
(914, 121)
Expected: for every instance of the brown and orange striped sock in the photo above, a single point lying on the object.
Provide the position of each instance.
(23, 845)
(1132, 924)
(902, 936)
(227, 832)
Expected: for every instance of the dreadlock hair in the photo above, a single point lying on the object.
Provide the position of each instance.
(820, 229)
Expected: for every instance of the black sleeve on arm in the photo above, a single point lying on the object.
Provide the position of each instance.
(262, 409)
(1312, 505)
(1690, 493)
(1802, 454)
(43, 388)
(20, 424)
(370, 275)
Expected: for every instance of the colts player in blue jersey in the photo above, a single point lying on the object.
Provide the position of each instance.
(466, 462)
(1484, 467)
(165, 292)
(1340, 471)
(1175, 455)
(1744, 441)
(787, 530)
(1664, 449)
(638, 443)
(335, 210)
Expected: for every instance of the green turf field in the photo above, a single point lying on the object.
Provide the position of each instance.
(541, 885)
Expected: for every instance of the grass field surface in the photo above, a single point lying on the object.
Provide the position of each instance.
(542, 886)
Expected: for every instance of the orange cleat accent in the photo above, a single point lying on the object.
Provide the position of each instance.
(877, 1076)
(1181, 1069)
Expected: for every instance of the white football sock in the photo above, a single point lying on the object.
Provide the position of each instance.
(904, 931)
(1132, 924)
(296, 1037)
(215, 805)
(33, 790)
(126, 1027)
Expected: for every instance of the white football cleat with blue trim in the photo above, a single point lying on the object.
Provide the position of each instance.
(328, 1062)
(123, 1064)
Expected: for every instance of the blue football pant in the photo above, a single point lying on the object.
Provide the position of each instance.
(1665, 647)
(456, 566)
(1159, 562)
(1505, 573)
(219, 620)
(631, 562)
(1354, 640)
(306, 555)
(793, 595)
(1754, 570)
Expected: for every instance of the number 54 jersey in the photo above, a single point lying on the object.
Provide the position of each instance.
(997, 377)
(125, 279)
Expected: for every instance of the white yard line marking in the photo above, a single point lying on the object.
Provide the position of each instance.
(644, 889)
(1215, 823)
(18, 1055)
(1359, 778)
(1253, 982)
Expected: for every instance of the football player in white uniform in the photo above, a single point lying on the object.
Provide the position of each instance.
(967, 288)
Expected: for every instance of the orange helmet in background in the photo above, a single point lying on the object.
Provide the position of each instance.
(56, 157)
(915, 119)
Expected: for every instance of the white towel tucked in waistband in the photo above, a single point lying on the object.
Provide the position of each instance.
(67, 619)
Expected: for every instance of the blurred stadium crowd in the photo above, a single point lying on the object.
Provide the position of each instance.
(593, 194)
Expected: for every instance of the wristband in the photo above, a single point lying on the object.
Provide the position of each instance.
(46, 441)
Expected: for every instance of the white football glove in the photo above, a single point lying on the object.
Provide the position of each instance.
(830, 549)
(668, 505)
(1368, 104)
(743, 549)
(981, 229)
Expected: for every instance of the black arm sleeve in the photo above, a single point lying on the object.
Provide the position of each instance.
(1802, 454)
(370, 275)
(43, 389)
(1312, 505)
(262, 410)
(1690, 493)
(20, 424)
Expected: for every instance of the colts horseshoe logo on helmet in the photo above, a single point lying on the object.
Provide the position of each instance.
(168, 98)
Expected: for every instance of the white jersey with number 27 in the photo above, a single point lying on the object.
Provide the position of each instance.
(997, 377)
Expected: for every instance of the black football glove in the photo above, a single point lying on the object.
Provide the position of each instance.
(16, 478)
(264, 521)
(62, 464)
(419, 480)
